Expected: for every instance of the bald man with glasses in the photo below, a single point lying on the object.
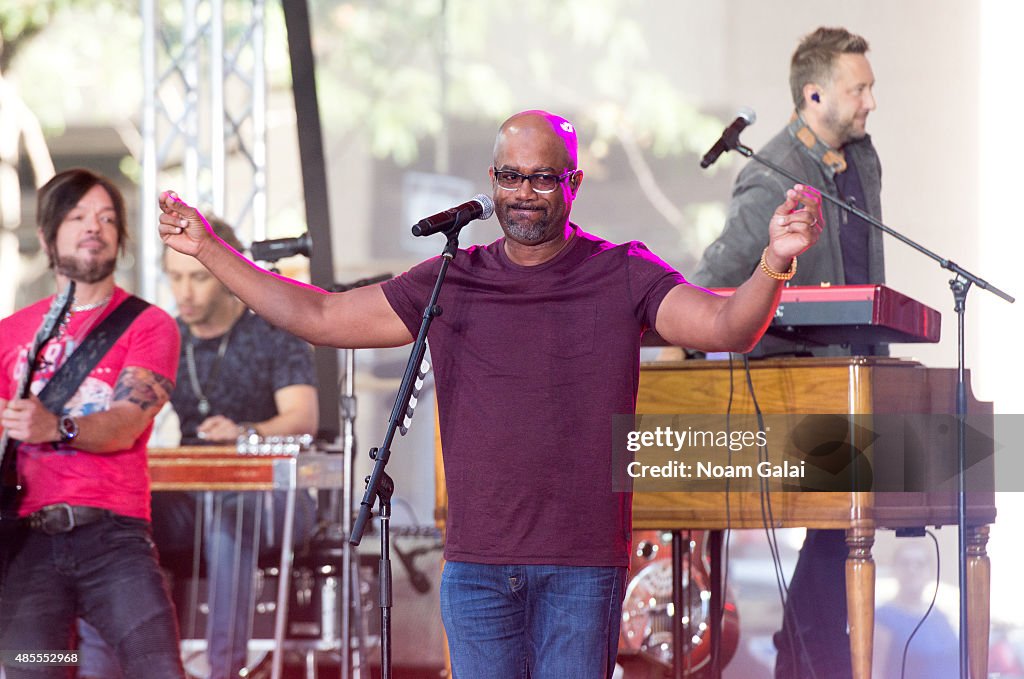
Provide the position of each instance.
(538, 347)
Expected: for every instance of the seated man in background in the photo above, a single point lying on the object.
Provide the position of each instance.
(238, 375)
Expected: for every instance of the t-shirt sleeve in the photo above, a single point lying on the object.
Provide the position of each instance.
(293, 361)
(153, 343)
(409, 292)
(650, 279)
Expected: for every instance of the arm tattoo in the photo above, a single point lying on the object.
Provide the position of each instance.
(142, 387)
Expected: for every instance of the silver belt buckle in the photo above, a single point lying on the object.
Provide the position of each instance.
(70, 522)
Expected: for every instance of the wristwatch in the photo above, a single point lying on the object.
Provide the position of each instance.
(67, 428)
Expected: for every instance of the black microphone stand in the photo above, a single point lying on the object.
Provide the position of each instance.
(959, 286)
(378, 484)
(340, 519)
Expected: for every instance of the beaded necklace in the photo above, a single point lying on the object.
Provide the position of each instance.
(198, 390)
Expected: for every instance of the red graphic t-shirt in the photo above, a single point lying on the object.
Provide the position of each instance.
(54, 473)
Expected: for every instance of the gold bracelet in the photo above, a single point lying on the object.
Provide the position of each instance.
(772, 273)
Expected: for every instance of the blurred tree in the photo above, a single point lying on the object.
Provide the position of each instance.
(395, 74)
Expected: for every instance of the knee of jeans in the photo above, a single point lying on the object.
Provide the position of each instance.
(149, 644)
(95, 657)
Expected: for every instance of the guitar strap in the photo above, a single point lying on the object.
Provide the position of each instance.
(65, 382)
(61, 387)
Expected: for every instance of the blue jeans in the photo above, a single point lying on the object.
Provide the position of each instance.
(107, 573)
(541, 622)
(235, 526)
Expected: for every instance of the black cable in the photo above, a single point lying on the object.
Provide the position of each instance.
(768, 520)
(728, 517)
(766, 511)
(935, 595)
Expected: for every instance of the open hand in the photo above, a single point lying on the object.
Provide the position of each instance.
(795, 226)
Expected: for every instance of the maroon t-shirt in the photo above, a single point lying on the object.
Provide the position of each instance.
(530, 364)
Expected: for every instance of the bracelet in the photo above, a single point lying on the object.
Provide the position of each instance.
(772, 273)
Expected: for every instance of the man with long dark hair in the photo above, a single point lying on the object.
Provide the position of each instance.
(85, 547)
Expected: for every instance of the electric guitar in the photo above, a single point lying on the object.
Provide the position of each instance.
(10, 485)
(645, 637)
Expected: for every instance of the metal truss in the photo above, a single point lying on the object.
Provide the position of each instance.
(203, 116)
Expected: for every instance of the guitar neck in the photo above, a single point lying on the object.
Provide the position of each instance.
(23, 391)
(10, 487)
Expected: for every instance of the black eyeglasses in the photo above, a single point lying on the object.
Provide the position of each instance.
(541, 182)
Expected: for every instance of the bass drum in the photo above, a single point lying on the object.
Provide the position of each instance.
(645, 637)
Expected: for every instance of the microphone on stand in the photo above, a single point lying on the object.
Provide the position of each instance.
(480, 207)
(279, 248)
(730, 137)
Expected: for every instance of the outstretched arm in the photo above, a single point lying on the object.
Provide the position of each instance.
(695, 318)
(357, 318)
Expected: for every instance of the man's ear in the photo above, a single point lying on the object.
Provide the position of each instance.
(812, 94)
(575, 180)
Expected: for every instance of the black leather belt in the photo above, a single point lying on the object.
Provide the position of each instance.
(62, 518)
